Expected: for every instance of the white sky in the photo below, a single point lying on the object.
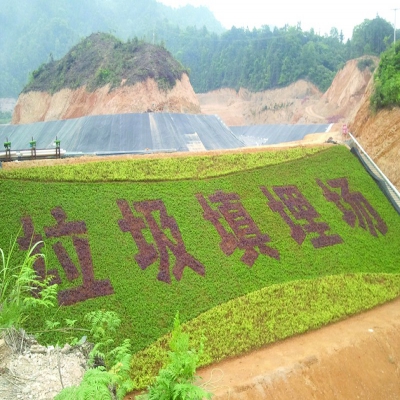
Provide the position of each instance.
(318, 14)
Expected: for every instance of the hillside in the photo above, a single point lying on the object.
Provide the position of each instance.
(102, 75)
(243, 107)
(354, 358)
(33, 31)
(291, 276)
(378, 131)
(300, 102)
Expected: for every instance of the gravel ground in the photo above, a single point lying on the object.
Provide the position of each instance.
(29, 371)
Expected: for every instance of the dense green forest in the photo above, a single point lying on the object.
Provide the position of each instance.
(263, 58)
(41, 31)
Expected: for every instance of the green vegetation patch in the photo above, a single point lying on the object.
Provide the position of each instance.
(271, 314)
(149, 249)
(100, 60)
(146, 170)
(366, 63)
(386, 91)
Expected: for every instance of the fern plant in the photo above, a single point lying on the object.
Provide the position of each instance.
(108, 374)
(94, 386)
(176, 380)
(21, 290)
(103, 324)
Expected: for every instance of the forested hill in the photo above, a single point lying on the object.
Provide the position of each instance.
(102, 59)
(261, 59)
(258, 59)
(38, 31)
(34, 31)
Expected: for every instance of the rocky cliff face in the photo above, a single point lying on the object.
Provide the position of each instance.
(145, 96)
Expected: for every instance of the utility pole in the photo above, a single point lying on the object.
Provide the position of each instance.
(394, 35)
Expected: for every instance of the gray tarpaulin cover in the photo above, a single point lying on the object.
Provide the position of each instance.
(148, 132)
(125, 133)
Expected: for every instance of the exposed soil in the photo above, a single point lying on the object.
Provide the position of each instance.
(379, 135)
(284, 105)
(31, 371)
(299, 103)
(355, 358)
(141, 97)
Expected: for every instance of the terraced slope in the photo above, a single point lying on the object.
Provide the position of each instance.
(149, 247)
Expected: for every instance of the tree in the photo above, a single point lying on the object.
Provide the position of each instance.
(369, 37)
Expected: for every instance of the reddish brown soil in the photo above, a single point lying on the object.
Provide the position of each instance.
(379, 135)
(299, 103)
(142, 97)
(355, 358)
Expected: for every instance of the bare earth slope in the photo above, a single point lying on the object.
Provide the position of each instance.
(141, 97)
(284, 105)
(379, 135)
(299, 103)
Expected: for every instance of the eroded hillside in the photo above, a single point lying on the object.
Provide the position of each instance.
(379, 134)
(300, 102)
(68, 103)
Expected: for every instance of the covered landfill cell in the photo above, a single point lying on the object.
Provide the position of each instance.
(147, 133)
(125, 133)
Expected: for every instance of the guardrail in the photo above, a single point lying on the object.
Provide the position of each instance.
(20, 155)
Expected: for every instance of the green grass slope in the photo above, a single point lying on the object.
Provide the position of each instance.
(270, 314)
(135, 229)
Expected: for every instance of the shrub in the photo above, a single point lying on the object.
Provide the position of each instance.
(176, 380)
(19, 286)
(366, 63)
(386, 91)
(108, 375)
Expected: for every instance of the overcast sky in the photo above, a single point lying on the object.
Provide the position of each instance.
(318, 14)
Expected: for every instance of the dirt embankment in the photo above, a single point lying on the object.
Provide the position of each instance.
(379, 135)
(299, 103)
(346, 92)
(284, 105)
(142, 97)
(355, 358)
